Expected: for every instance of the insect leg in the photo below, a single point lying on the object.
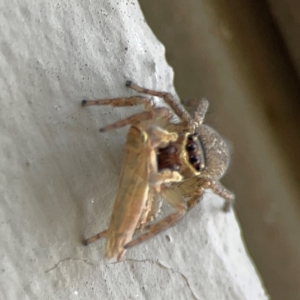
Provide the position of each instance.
(165, 176)
(160, 137)
(156, 113)
(155, 209)
(94, 238)
(154, 202)
(177, 108)
(119, 102)
(151, 210)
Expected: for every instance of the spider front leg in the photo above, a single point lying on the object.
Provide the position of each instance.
(120, 102)
(202, 107)
(154, 114)
(177, 108)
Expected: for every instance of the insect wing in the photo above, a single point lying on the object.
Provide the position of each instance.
(132, 193)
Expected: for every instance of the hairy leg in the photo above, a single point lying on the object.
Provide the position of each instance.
(156, 113)
(177, 108)
(119, 102)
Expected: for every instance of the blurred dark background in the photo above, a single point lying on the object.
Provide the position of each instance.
(244, 56)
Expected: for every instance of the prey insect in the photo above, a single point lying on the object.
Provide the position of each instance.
(164, 159)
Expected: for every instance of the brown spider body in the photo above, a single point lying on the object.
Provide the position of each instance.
(177, 162)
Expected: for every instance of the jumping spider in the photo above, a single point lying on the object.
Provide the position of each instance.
(177, 161)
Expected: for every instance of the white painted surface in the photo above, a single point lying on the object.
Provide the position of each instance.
(59, 174)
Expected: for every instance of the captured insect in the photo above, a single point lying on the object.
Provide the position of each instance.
(164, 159)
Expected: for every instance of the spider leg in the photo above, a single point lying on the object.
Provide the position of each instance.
(201, 106)
(155, 113)
(220, 190)
(173, 197)
(178, 109)
(187, 186)
(119, 102)
(94, 238)
(151, 212)
(201, 111)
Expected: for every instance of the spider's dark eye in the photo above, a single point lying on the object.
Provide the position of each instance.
(194, 151)
(197, 167)
(191, 147)
(194, 159)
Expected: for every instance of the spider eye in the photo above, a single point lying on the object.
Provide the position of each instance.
(197, 167)
(194, 160)
(191, 147)
(195, 152)
(192, 137)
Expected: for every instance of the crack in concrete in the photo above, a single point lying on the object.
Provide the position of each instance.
(162, 266)
(70, 259)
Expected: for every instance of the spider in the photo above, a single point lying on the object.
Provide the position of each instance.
(173, 160)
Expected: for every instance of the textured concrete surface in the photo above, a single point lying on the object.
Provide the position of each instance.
(59, 174)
